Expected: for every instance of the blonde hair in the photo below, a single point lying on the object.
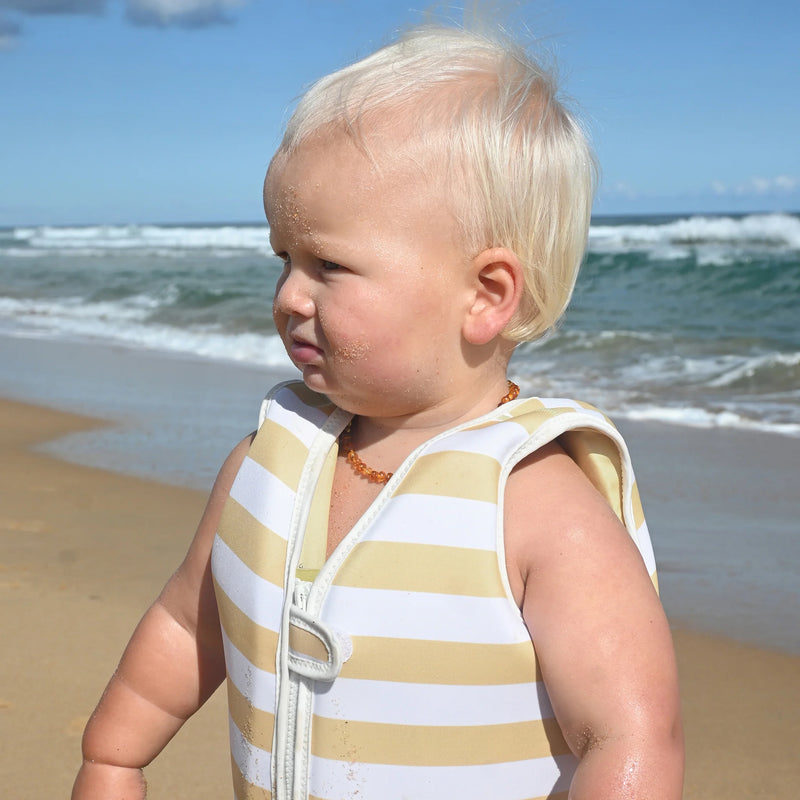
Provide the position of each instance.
(520, 168)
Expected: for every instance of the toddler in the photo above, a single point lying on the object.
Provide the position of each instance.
(416, 583)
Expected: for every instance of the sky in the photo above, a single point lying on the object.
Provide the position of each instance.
(167, 111)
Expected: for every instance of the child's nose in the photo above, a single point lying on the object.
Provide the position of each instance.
(292, 295)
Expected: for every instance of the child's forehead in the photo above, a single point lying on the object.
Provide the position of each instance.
(330, 186)
(376, 161)
(355, 153)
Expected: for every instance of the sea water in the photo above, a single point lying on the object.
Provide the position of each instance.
(691, 320)
(687, 320)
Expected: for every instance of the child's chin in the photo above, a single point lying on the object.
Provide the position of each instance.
(314, 379)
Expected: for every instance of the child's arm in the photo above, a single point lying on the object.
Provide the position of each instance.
(602, 639)
(171, 666)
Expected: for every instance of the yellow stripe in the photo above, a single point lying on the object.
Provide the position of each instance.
(590, 407)
(263, 551)
(243, 789)
(255, 725)
(307, 644)
(598, 457)
(435, 745)
(421, 568)
(279, 452)
(532, 413)
(531, 417)
(457, 663)
(471, 476)
(257, 643)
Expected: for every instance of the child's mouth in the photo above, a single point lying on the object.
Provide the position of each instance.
(303, 352)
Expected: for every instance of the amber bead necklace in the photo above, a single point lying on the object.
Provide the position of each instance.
(378, 476)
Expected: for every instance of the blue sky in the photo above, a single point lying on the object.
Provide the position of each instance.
(130, 111)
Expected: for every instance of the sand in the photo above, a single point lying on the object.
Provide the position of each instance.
(82, 554)
(84, 551)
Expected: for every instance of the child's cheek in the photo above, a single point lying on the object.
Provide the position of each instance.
(353, 351)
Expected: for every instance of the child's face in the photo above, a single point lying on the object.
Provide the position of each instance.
(371, 302)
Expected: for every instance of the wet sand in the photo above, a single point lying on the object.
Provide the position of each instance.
(84, 551)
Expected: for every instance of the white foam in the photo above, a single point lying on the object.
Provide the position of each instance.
(754, 391)
(747, 367)
(703, 418)
(672, 239)
(126, 325)
(167, 241)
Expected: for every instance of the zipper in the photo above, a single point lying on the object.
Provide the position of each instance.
(289, 759)
(295, 755)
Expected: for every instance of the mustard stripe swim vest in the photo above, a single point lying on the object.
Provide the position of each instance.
(404, 668)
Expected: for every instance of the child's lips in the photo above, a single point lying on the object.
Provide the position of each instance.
(302, 351)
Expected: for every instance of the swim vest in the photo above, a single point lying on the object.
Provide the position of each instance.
(400, 667)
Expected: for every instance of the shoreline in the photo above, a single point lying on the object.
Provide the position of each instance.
(720, 503)
(72, 593)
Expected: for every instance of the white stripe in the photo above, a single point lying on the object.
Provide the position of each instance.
(426, 704)
(564, 402)
(257, 598)
(457, 522)
(265, 497)
(515, 780)
(257, 685)
(646, 548)
(302, 420)
(253, 762)
(493, 441)
(424, 615)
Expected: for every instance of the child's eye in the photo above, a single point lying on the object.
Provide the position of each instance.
(330, 266)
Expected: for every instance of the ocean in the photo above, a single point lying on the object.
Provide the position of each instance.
(686, 320)
(690, 320)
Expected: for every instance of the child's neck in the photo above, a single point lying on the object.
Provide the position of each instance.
(413, 436)
(368, 431)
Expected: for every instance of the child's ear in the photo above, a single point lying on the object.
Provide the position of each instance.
(498, 283)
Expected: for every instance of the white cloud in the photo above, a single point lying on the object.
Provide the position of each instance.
(781, 184)
(157, 13)
(786, 183)
(186, 13)
(55, 6)
(9, 33)
(718, 187)
(11, 30)
(621, 189)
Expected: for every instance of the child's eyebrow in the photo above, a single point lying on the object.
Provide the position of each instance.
(275, 245)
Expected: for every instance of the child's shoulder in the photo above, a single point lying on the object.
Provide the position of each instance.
(548, 476)
(550, 482)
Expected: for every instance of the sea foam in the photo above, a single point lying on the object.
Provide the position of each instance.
(757, 230)
(687, 319)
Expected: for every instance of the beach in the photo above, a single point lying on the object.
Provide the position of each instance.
(83, 552)
(85, 548)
